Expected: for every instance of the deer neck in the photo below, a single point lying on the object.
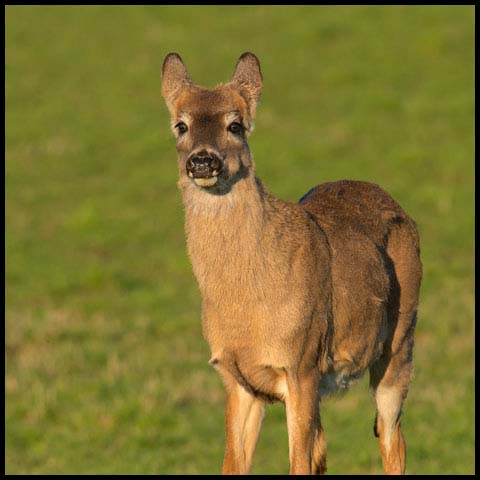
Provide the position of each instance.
(224, 236)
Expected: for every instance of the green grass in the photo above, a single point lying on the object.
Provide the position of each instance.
(106, 369)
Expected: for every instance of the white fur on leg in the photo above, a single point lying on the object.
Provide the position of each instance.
(389, 403)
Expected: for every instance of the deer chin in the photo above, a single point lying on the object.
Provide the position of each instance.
(205, 182)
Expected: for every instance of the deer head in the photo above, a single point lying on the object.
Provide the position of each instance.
(211, 126)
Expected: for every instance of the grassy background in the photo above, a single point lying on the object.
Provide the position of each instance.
(106, 369)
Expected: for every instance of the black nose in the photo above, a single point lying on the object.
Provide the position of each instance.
(203, 166)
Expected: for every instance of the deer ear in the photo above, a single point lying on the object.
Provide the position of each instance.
(248, 79)
(174, 78)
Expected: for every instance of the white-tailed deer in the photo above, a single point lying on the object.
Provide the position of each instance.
(298, 298)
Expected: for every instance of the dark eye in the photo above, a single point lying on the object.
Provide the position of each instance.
(181, 127)
(235, 128)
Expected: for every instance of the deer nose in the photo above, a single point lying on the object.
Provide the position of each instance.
(203, 166)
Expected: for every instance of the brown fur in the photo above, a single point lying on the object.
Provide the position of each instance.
(298, 298)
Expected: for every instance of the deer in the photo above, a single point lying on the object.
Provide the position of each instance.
(298, 299)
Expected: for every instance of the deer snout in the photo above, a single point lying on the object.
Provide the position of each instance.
(203, 166)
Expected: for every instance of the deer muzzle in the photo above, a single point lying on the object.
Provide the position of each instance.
(204, 169)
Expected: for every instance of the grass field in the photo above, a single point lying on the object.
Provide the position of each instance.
(106, 369)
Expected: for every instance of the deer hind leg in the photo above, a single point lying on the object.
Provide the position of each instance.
(390, 378)
(387, 427)
(243, 418)
(390, 375)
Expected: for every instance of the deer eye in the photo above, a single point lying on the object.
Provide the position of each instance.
(181, 127)
(236, 128)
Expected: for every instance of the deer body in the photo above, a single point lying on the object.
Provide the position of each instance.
(260, 311)
(298, 298)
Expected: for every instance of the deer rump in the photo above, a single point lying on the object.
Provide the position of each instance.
(365, 288)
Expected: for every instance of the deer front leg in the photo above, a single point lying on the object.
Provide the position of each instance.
(243, 418)
(302, 416)
(319, 455)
